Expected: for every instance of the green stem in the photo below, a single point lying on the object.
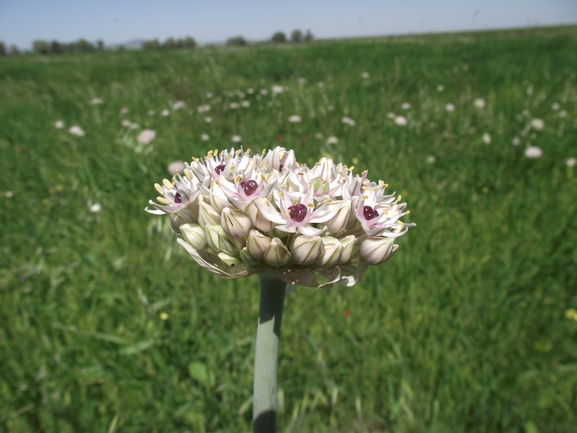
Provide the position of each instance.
(272, 294)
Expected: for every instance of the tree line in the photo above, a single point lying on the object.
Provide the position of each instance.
(296, 36)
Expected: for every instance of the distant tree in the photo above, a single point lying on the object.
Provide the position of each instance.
(237, 41)
(153, 44)
(2, 49)
(279, 37)
(296, 36)
(84, 46)
(189, 42)
(41, 47)
(308, 36)
(169, 44)
(56, 47)
(14, 51)
(100, 44)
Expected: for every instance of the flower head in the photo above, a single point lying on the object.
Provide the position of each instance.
(241, 214)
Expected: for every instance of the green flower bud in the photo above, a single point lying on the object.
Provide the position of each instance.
(307, 249)
(207, 215)
(349, 247)
(234, 222)
(331, 252)
(248, 258)
(257, 219)
(194, 235)
(277, 253)
(229, 261)
(257, 243)
(339, 222)
(376, 250)
(218, 241)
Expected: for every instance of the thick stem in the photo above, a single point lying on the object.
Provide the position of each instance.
(272, 294)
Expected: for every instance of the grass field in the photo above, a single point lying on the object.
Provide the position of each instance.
(107, 325)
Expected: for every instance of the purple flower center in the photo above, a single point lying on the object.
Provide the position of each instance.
(369, 213)
(298, 212)
(177, 197)
(219, 168)
(249, 187)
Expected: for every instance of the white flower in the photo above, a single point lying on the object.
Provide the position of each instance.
(234, 106)
(449, 107)
(332, 140)
(178, 105)
(391, 115)
(563, 113)
(240, 94)
(59, 124)
(208, 119)
(76, 130)
(126, 123)
(276, 89)
(320, 84)
(146, 136)
(516, 141)
(401, 120)
(240, 214)
(208, 95)
(479, 103)
(245, 104)
(295, 119)
(301, 80)
(203, 108)
(440, 88)
(365, 75)
(250, 90)
(486, 138)
(175, 167)
(205, 137)
(319, 135)
(95, 207)
(236, 138)
(330, 107)
(571, 162)
(405, 106)
(537, 124)
(348, 121)
(165, 112)
(96, 101)
(533, 152)
(555, 106)
(431, 159)
(124, 110)
(263, 91)
(150, 112)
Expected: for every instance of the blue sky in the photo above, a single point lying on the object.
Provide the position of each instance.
(119, 21)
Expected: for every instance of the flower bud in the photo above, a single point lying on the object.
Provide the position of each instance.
(331, 252)
(307, 249)
(234, 222)
(277, 253)
(339, 222)
(248, 258)
(194, 235)
(257, 219)
(218, 241)
(218, 198)
(257, 243)
(349, 249)
(229, 261)
(375, 250)
(207, 215)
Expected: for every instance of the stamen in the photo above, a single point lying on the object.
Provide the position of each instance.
(158, 188)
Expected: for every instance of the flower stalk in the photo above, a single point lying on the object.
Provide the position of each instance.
(272, 294)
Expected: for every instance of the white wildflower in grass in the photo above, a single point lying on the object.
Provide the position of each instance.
(124, 110)
(571, 162)
(295, 118)
(301, 80)
(537, 124)
(533, 152)
(245, 104)
(449, 107)
(240, 214)
(406, 106)
(234, 106)
(555, 106)
(276, 89)
(178, 105)
(126, 123)
(236, 138)
(151, 112)
(203, 108)
(95, 208)
(208, 119)
(516, 141)
(431, 159)
(330, 107)
(486, 138)
(146, 136)
(175, 167)
(391, 115)
(133, 125)
(59, 124)
(319, 135)
(401, 120)
(8, 194)
(440, 88)
(250, 90)
(332, 140)
(205, 137)
(76, 130)
(96, 101)
(240, 94)
(365, 75)
(479, 103)
(165, 112)
(320, 84)
(209, 95)
(563, 113)
(348, 121)
(263, 92)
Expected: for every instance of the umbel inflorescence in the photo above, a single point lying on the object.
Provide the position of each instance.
(241, 214)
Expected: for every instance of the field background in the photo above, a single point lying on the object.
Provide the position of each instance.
(106, 325)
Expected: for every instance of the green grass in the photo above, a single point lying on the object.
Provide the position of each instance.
(464, 330)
